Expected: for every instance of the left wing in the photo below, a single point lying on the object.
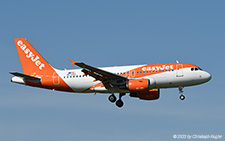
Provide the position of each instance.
(102, 75)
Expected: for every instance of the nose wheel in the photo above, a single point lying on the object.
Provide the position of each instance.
(182, 97)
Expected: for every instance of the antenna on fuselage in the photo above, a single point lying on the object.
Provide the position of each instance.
(177, 61)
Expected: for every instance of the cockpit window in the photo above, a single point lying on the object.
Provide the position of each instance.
(195, 69)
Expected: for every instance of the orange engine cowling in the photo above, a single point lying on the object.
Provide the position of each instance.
(139, 85)
(151, 95)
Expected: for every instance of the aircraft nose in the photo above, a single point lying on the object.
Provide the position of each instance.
(206, 76)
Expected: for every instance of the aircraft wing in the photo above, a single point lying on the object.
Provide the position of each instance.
(100, 74)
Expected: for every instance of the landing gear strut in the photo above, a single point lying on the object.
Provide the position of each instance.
(119, 102)
(182, 97)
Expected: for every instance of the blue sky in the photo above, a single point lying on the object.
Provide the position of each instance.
(109, 33)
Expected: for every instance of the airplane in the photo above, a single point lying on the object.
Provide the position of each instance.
(140, 81)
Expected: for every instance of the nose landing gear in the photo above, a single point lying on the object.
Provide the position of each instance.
(182, 97)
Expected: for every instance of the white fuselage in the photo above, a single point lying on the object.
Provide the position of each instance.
(174, 78)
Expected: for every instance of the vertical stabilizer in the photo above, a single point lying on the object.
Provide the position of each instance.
(37, 71)
(32, 62)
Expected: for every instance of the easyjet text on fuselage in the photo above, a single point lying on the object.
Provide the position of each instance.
(162, 67)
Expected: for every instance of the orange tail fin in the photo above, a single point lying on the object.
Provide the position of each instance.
(32, 62)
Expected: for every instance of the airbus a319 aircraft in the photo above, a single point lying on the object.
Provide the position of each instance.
(140, 81)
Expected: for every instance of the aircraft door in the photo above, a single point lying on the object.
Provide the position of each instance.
(179, 70)
(132, 73)
(56, 80)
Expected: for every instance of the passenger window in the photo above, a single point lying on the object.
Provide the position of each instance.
(137, 71)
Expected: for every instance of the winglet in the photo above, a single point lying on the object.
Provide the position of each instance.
(72, 62)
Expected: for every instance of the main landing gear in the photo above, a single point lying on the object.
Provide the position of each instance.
(182, 97)
(119, 102)
(112, 98)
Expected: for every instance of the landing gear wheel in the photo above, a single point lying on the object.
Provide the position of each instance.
(112, 98)
(182, 97)
(119, 103)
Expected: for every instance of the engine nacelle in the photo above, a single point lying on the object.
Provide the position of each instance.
(151, 95)
(139, 85)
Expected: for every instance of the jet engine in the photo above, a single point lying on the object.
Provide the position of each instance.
(138, 85)
(150, 95)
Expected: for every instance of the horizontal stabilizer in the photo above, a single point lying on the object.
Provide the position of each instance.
(27, 77)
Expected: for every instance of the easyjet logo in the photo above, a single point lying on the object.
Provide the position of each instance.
(163, 67)
(34, 58)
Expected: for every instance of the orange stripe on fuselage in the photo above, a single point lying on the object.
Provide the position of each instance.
(47, 82)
